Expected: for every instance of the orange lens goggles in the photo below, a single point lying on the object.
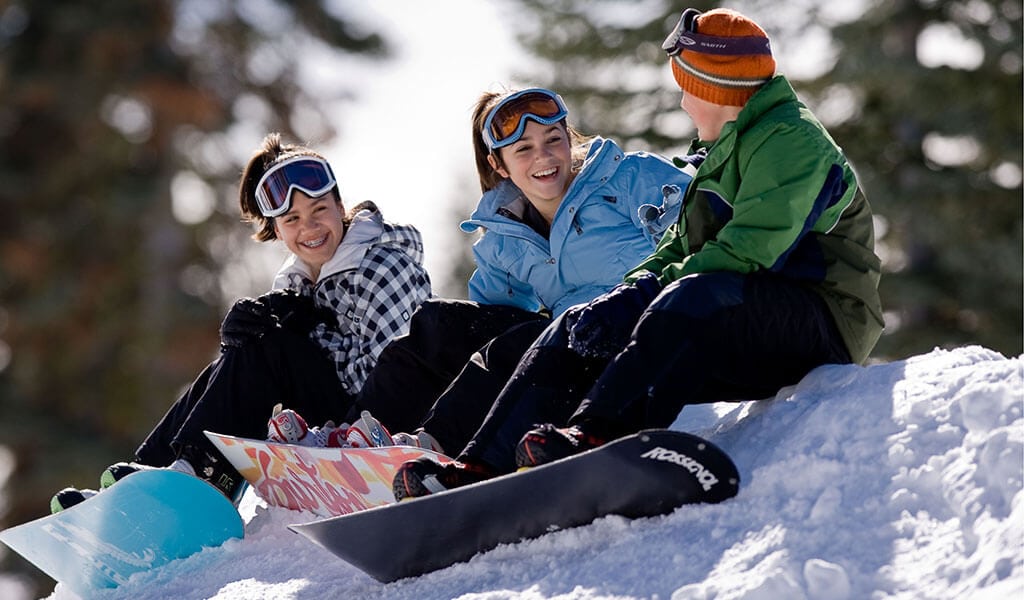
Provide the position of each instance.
(507, 120)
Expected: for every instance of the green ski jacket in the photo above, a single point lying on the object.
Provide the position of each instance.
(776, 193)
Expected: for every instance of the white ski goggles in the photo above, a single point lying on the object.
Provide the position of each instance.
(308, 174)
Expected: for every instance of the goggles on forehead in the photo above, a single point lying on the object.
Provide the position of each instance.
(308, 174)
(685, 37)
(507, 120)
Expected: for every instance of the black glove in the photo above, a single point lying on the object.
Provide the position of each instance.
(288, 305)
(247, 320)
(297, 312)
(251, 318)
(601, 328)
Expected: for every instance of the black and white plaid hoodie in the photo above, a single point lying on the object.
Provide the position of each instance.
(373, 284)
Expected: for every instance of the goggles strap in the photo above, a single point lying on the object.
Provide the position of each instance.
(685, 37)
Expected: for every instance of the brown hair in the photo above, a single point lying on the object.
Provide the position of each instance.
(489, 178)
(270, 151)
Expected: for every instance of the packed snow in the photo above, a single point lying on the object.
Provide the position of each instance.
(895, 480)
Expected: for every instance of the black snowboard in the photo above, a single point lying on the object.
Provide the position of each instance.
(650, 473)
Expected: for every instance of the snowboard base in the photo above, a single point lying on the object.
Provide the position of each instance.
(146, 520)
(646, 474)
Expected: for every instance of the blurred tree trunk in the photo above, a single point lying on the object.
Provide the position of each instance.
(109, 303)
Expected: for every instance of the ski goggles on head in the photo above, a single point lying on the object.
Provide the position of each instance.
(507, 120)
(685, 37)
(308, 174)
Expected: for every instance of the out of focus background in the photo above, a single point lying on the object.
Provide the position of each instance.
(124, 127)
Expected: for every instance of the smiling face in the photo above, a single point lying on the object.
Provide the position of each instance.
(540, 165)
(312, 228)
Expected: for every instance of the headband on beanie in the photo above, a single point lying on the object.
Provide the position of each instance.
(719, 56)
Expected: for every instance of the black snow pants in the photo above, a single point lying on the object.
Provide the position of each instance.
(458, 412)
(235, 395)
(415, 369)
(706, 338)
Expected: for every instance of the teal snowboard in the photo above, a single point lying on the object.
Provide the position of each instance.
(142, 522)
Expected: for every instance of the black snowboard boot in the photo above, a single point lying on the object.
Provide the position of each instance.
(118, 471)
(68, 497)
(548, 443)
(425, 476)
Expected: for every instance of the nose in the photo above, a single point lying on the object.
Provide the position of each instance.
(308, 222)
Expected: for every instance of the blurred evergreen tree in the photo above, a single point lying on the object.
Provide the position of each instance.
(458, 251)
(937, 147)
(110, 285)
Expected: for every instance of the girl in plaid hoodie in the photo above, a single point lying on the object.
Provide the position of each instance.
(350, 285)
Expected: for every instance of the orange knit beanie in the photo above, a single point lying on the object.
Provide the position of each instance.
(722, 78)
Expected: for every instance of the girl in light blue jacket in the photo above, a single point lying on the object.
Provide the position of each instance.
(563, 218)
(596, 233)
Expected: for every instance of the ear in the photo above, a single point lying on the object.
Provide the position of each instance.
(497, 168)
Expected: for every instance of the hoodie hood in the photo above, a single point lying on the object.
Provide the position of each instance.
(367, 229)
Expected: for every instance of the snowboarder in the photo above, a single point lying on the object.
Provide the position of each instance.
(769, 272)
(350, 284)
(563, 216)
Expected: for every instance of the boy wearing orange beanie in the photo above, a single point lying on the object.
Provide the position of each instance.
(769, 272)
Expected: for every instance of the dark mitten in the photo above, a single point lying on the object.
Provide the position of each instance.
(293, 310)
(601, 328)
(691, 162)
(247, 320)
(284, 301)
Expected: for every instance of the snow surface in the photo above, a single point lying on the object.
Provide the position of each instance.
(896, 480)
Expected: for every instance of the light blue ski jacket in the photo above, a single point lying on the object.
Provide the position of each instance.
(596, 237)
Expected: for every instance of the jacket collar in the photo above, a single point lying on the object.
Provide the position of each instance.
(366, 228)
(775, 92)
(603, 157)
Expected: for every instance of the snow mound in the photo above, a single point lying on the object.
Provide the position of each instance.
(895, 480)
